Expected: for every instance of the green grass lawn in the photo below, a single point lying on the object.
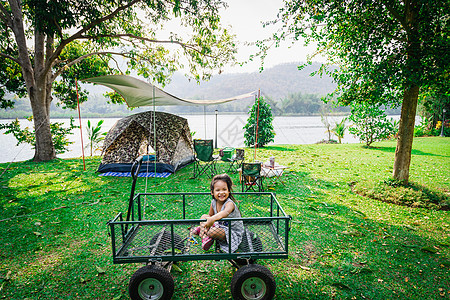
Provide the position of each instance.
(54, 241)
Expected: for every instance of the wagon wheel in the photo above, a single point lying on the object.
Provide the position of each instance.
(151, 282)
(253, 282)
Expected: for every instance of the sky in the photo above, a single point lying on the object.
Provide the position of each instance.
(245, 16)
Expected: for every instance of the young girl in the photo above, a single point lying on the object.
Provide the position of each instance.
(222, 206)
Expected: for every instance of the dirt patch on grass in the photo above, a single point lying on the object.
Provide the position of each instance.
(308, 253)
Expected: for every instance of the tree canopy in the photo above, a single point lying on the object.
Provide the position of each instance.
(386, 52)
(46, 45)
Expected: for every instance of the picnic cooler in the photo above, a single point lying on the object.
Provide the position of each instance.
(227, 153)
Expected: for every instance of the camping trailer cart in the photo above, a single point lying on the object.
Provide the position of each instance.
(158, 230)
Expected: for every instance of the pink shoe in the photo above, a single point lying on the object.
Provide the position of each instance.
(196, 230)
(207, 243)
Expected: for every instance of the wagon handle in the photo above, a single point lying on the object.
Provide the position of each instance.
(134, 173)
(136, 167)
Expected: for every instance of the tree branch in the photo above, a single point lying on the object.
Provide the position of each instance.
(5, 16)
(10, 57)
(132, 36)
(396, 15)
(77, 60)
(89, 26)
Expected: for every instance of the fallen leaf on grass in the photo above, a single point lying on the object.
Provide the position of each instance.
(305, 268)
(100, 270)
(363, 270)
(176, 268)
(428, 249)
(358, 212)
(8, 275)
(117, 297)
(352, 233)
(410, 227)
(341, 286)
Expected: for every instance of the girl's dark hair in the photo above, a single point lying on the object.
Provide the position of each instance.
(227, 179)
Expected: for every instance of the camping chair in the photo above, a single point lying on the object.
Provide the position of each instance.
(204, 160)
(236, 161)
(251, 177)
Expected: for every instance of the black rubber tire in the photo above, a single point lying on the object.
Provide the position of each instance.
(151, 282)
(253, 282)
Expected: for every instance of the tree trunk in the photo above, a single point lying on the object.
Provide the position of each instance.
(36, 82)
(44, 149)
(405, 134)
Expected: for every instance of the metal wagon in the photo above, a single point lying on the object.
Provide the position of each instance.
(157, 231)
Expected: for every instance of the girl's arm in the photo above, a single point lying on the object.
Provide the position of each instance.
(229, 207)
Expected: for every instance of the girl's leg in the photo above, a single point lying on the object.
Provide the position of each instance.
(216, 233)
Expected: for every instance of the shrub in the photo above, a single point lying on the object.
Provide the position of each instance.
(370, 123)
(59, 134)
(266, 133)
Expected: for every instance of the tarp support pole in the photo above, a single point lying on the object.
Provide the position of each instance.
(257, 123)
(204, 119)
(81, 129)
(154, 132)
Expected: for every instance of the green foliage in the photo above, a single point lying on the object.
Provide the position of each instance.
(353, 35)
(370, 123)
(95, 136)
(27, 136)
(11, 81)
(64, 88)
(426, 128)
(339, 129)
(386, 52)
(261, 118)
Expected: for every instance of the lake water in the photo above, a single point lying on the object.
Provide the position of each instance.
(288, 130)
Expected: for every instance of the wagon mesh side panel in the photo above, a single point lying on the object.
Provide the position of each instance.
(164, 234)
(252, 206)
(263, 236)
(160, 207)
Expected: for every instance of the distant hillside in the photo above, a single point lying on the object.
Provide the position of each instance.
(276, 82)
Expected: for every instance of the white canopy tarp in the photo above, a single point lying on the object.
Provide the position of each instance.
(140, 93)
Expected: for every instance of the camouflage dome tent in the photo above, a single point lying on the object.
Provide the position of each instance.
(130, 137)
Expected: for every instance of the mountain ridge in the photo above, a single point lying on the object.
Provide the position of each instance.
(275, 82)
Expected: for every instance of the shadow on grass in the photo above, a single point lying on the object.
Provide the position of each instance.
(413, 152)
(336, 250)
(339, 252)
(278, 148)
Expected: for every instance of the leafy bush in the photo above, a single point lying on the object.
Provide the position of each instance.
(263, 122)
(339, 129)
(95, 137)
(424, 128)
(59, 134)
(370, 123)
